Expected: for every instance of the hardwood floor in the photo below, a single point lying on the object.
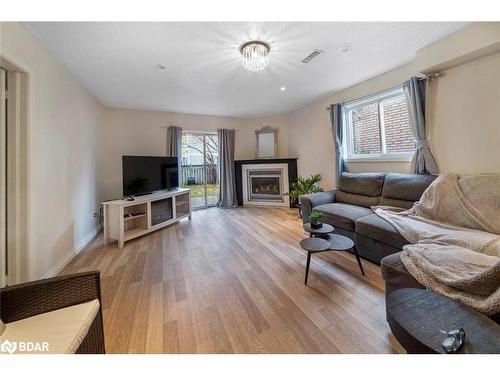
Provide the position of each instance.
(232, 281)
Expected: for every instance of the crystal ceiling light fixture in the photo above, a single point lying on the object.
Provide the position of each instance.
(255, 55)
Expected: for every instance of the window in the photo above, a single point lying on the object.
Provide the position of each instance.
(377, 127)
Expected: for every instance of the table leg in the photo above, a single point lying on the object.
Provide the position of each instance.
(307, 266)
(359, 260)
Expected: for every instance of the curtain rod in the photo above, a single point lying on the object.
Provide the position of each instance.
(430, 77)
(199, 131)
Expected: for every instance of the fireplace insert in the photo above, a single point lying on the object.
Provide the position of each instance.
(265, 185)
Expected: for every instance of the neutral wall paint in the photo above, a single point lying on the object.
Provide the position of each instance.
(136, 132)
(463, 108)
(64, 131)
(463, 122)
(464, 117)
(457, 100)
(310, 136)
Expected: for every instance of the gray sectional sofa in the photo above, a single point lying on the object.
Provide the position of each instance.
(348, 208)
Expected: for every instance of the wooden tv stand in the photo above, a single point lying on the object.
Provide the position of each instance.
(125, 220)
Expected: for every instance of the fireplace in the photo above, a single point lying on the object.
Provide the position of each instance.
(265, 184)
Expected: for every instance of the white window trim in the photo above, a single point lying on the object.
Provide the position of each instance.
(349, 155)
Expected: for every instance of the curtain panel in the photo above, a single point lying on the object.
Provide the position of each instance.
(227, 188)
(174, 139)
(423, 161)
(338, 139)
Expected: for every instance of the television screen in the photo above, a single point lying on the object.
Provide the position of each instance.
(146, 174)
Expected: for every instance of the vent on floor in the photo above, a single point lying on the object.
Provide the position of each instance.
(312, 56)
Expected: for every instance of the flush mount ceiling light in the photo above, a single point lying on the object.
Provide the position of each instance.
(255, 55)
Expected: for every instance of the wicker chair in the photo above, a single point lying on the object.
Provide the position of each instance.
(25, 300)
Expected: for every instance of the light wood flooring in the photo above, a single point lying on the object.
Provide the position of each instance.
(232, 281)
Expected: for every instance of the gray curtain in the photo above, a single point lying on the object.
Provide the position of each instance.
(423, 162)
(174, 138)
(174, 145)
(227, 180)
(338, 138)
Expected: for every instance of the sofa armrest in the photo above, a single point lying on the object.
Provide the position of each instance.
(309, 201)
(37, 297)
(395, 274)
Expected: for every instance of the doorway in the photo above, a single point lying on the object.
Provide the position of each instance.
(200, 168)
(15, 198)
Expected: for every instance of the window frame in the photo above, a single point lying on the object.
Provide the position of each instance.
(349, 155)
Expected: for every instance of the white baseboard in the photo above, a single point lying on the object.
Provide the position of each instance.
(54, 271)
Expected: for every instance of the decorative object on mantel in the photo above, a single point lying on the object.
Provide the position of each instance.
(255, 55)
(314, 219)
(267, 143)
(304, 186)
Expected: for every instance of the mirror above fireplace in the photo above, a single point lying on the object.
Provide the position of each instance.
(267, 143)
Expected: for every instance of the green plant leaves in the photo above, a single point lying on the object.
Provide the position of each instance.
(305, 186)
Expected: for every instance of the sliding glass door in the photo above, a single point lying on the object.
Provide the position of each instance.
(200, 168)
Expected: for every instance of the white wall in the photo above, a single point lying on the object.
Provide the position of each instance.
(465, 117)
(310, 136)
(64, 132)
(135, 132)
(463, 120)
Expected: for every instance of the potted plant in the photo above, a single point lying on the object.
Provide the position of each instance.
(303, 186)
(314, 219)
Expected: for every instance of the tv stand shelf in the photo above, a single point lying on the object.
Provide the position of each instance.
(125, 220)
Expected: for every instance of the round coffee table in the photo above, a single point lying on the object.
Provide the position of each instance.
(313, 245)
(328, 242)
(342, 243)
(325, 228)
(419, 317)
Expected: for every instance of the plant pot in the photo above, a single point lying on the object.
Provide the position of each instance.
(316, 225)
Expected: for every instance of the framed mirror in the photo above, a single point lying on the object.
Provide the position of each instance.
(267, 143)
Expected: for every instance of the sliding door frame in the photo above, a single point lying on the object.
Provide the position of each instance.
(204, 134)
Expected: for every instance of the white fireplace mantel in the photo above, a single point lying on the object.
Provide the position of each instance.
(282, 168)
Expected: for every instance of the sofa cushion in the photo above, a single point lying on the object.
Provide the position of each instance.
(356, 199)
(402, 190)
(369, 184)
(373, 226)
(342, 215)
(63, 329)
(360, 189)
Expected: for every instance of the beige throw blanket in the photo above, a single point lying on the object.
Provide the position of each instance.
(454, 231)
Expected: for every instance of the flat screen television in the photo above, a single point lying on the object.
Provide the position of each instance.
(146, 174)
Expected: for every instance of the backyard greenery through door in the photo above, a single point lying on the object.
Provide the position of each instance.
(200, 168)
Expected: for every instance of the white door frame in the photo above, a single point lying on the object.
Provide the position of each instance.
(3, 176)
(20, 218)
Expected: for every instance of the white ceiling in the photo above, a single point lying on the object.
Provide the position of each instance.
(117, 61)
